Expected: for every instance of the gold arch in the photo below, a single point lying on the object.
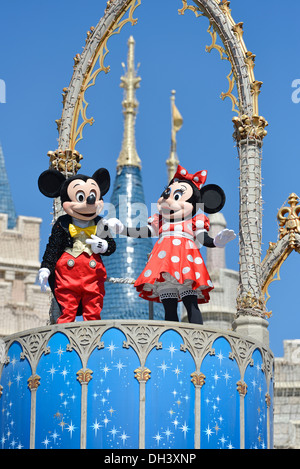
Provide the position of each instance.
(92, 73)
(90, 63)
(289, 240)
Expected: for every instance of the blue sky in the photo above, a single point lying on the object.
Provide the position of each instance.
(38, 40)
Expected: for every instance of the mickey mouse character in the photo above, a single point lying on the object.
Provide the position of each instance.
(175, 270)
(72, 263)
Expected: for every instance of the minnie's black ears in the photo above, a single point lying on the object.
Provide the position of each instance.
(213, 198)
(50, 182)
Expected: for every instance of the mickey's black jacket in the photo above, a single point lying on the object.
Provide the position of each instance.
(60, 239)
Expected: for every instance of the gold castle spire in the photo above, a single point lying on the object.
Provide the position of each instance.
(177, 122)
(130, 82)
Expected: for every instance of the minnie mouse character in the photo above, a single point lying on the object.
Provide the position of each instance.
(175, 270)
(72, 263)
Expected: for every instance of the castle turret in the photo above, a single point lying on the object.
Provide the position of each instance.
(22, 304)
(128, 204)
(6, 200)
(176, 124)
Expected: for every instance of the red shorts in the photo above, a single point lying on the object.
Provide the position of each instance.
(80, 279)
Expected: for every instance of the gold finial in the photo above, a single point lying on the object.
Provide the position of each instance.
(176, 124)
(250, 127)
(84, 376)
(289, 219)
(242, 388)
(142, 374)
(66, 161)
(130, 82)
(198, 379)
(34, 382)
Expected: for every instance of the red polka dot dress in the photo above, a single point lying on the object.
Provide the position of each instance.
(176, 259)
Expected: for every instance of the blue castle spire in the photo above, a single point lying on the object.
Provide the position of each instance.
(121, 301)
(6, 200)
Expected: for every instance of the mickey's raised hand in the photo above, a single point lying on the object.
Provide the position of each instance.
(114, 225)
(98, 245)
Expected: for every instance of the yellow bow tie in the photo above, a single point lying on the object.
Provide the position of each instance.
(76, 230)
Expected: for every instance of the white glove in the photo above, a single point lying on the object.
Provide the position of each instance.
(98, 245)
(43, 277)
(114, 224)
(224, 237)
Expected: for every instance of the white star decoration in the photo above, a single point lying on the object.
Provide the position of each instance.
(119, 366)
(96, 426)
(226, 376)
(124, 437)
(163, 368)
(208, 432)
(114, 432)
(157, 437)
(52, 371)
(111, 348)
(106, 370)
(168, 433)
(64, 373)
(220, 357)
(54, 436)
(185, 429)
(60, 352)
(46, 442)
(71, 428)
(177, 371)
(172, 350)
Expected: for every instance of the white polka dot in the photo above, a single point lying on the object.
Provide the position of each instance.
(178, 228)
(209, 283)
(162, 254)
(190, 258)
(200, 224)
(196, 179)
(183, 172)
(160, 240)
(175, 259)
(177, 275)
(166, 226)
(147, 273)
(185, 270)
(203, 173)
(176, 242)
(198, 275)
(198, 260)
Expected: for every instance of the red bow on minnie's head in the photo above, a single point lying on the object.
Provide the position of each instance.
(198, 178)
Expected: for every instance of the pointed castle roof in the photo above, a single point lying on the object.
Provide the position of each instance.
(6, 200)
(130, 82)
(131, 254)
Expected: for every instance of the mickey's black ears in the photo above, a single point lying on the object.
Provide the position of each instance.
(213, 198)
(102, 177)
(50, 182)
